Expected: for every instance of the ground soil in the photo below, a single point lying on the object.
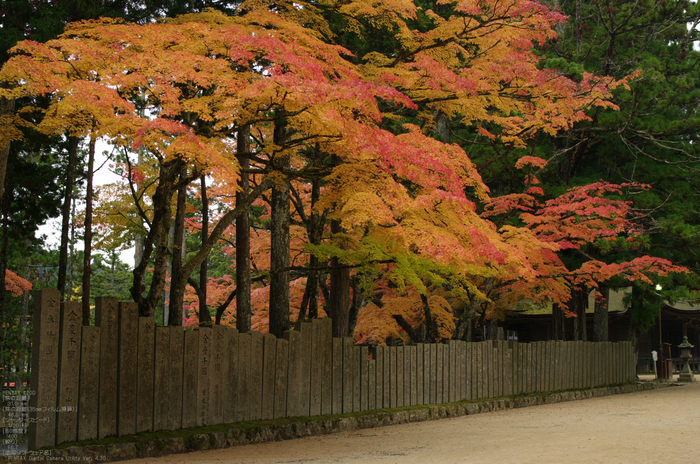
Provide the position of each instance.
(650, 427)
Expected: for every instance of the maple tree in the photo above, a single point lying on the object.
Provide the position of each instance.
(342, 139)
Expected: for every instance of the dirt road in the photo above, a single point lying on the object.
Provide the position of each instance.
(658, 426)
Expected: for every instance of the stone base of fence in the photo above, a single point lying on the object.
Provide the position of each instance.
(224, 436)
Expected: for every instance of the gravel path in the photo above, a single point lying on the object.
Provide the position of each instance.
(657, 426)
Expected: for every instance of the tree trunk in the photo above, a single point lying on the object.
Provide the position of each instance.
(600, 322)
(7, 107)
(3, 272)
(87, 239)
(204, 315)
(21, 358)
(67, 203)
(339, 304)
(178, 250)
(244, 311)
(279, 243)
(157, 238)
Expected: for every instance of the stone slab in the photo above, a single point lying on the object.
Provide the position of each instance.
(176, 375)
(145, 374)
(356, 378)
(337, 376)
(269, 376)
(128, 321)
(219, 365)
(230, 390)
(347, 374)
(364, 378)
(256, 375)
(317, 359)
(106, 317)
(89, 383)
(68, 372)
(399, 376)
(305, 391)
(327, 374)
(190, 378)
(281, 376)
(244, 385)
(379, 357)
(161, 400)
(294, 372)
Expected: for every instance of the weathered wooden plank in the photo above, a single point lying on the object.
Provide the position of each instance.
(407, 374)
(399, 376)
(392, 376)
(244, 381)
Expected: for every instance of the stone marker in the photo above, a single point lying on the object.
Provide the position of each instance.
(256, 372)
(337, 382)
(176, 374)
(379, 357)
(392, 375)
(347, 374)
(89, 383)
(439, 373)
(161, 391)
(386, 380)
(399, 376)
(128, 321)
(68, 372)
(106, 318)
(219, 365)
(145, 375)
(269, 376)
(420, 399)
(244, 385)
(190, 379)
(469, 370)
(305, 391)
(281, 376)
(317, 360)
(294, 372)
(327, 368)
(364, 378)
(413, 381)
(407, 374)
(356, 378)
(446, 373)
(372, 385)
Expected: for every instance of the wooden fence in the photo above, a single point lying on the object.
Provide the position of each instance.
(127, 376)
